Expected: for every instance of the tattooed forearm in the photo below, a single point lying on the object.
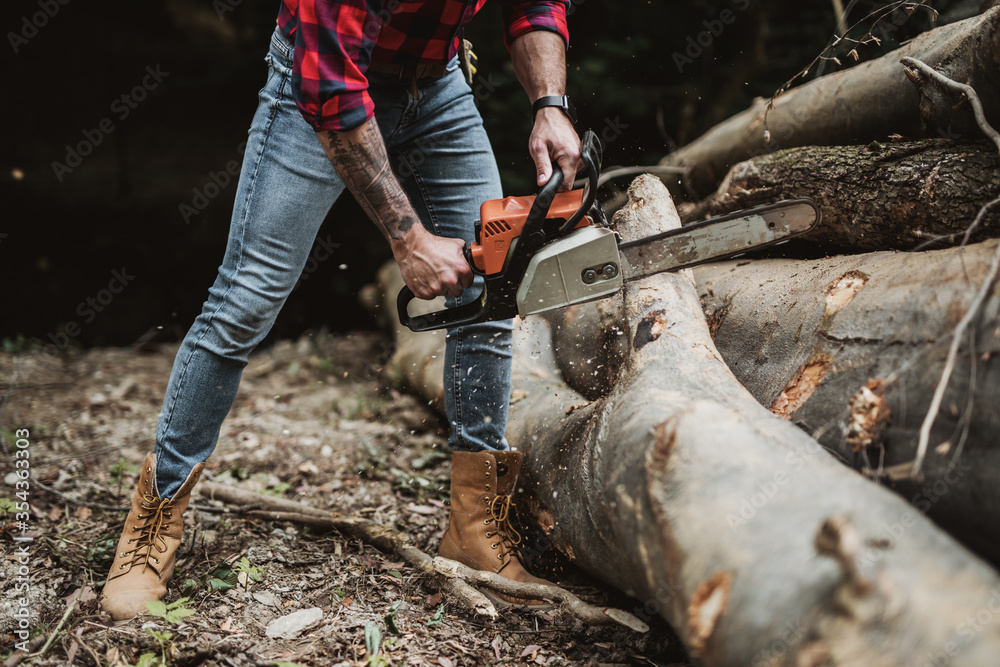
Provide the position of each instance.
(360, 158)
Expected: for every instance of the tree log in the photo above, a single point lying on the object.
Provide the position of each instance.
(756, 545)
(876, 197)
(865, 103)
(806, 336)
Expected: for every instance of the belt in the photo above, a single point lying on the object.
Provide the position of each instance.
(410, 72)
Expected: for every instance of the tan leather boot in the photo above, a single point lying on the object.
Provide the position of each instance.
(147, 550)
(480, 534)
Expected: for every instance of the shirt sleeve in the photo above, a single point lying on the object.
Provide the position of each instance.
(520, 18)
(333, 45)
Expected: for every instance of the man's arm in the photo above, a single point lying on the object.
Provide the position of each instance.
(431, 265)
(540, 63)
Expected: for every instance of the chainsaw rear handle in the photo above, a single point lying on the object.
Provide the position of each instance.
(497, 301)
(470, 313)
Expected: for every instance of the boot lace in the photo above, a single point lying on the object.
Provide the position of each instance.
(499, 511)
(154, 518)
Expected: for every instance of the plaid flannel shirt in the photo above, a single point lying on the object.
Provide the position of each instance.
(336, 40)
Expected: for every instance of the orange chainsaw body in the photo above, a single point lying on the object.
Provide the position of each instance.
(501, 222)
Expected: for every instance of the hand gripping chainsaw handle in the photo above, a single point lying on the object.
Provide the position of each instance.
(498, 299)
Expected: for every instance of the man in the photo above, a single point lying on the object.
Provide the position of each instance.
(357, 93)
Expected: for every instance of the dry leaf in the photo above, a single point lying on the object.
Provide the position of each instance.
(532, 650)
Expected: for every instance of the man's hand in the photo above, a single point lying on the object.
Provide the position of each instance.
(540, 63)
(553, 139)
(431, 266)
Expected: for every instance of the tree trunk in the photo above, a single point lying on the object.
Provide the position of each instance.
(680, 489)
(865, 103)
(805, 336)
(876, 197)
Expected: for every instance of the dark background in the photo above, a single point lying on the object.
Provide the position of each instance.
(60, 240)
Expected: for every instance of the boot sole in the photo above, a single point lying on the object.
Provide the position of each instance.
(500, 603)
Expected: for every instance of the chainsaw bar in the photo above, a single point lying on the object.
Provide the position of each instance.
(721, 237)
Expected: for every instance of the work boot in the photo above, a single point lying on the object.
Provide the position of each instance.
(147, 550)
(480, 534)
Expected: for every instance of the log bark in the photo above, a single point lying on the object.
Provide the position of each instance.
(806, 336)
(680, 489)
(865, 103)
(875, 197)
(418, 360)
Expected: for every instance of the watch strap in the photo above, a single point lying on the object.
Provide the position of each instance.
(561, 101)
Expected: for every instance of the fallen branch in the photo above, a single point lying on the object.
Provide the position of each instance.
(380, 537)
(520, 589)
(867, 102)
(454, 580)
(912, 65)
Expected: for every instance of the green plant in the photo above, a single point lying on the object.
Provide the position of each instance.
(222, 578)
(277, 490)
(438, 617)
(172, 614)
(250, 573)
(17, 345)
(373, 642)
(119, 471)
(102, 547)
(390, 619)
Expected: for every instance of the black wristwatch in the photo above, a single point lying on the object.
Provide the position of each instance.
(561, 101)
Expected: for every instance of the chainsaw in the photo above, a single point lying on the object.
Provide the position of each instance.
(554, 249)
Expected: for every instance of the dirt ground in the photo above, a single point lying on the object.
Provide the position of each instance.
(315, 422)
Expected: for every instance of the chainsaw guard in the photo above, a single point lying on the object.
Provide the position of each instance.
(583, 266)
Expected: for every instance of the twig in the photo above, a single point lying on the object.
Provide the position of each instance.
(76, 502)
(965, 89)
(984, 289)
(62, 621)
(454, 582)
(879, 14)
(967, 234)
(587, 613)
(932, 411)
(15, 658)
(382, 538)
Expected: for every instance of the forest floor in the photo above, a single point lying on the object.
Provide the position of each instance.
(315, 422)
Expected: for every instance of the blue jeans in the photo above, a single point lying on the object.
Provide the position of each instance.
(442, 156)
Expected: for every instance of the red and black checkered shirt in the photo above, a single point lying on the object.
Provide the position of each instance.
(335, 40)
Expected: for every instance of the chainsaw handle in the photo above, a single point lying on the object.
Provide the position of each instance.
(533, 232)
(591, 152)
(470, 313)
